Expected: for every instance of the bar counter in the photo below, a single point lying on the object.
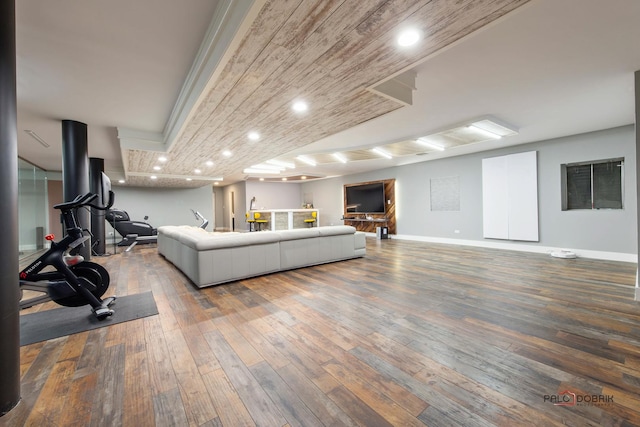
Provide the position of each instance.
(286, 219)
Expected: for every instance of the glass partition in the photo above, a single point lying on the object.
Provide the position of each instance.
(32, 208)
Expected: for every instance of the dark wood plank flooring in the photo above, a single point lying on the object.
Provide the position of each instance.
(412, 334)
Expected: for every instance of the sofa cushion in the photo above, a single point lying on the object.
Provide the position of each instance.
(334, 230)
(298, 233)
(233, 240)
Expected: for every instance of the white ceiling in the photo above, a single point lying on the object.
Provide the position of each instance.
(550, 68)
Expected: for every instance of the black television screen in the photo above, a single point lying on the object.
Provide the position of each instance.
(365, 198)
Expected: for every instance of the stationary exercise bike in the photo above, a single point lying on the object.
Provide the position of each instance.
(73, 282)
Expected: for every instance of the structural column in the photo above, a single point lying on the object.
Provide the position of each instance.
(637, 121)
(9, 290)
(96, 167)
(75, 171)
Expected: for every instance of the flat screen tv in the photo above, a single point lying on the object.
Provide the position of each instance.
(365, 198)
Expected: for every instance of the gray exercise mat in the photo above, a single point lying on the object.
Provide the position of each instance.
(46, 325)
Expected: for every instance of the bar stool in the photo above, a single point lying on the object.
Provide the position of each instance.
(259, 220)
(250, 220)
(312, 220)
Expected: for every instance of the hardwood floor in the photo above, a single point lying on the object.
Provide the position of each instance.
(412, 334)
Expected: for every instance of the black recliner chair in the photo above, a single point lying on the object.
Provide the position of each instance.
(131, 231)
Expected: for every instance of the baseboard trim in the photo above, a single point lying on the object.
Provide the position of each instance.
(581, 253)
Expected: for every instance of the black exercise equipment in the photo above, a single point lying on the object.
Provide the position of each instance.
(73, 282)
(132, 232)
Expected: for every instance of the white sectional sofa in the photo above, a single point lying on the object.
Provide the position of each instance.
(213, 258)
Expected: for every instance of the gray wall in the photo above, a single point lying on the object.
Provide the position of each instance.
(603, 230)
(165, 206)
(218, 194)
(598, 230)
(238, 210)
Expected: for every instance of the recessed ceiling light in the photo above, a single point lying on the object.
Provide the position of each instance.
(300, 106)
(485, 132)
(261, 171)
(254, 136)
(381, 152)
(154, 177)
(261, 179)
(268, 166)
(209, 163)
(162, 159)
(287, 165)
(306, 160)
(189, 179)
(340, 157)
(491, 125)
(303, 177)
(197, 171)
(216, 183)
(37, 137)
(430, 144)
(226, 153)
(284, 179)
(156, 168)
(408, 37)
(121, 181)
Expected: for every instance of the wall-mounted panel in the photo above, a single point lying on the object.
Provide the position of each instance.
(495, 203)
(523, 196)
(445, 194)
(510, 197)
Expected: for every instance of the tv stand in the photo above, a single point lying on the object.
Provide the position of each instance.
(366, 224)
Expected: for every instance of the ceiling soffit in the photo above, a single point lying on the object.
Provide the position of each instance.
(325, 52)
(475, 131)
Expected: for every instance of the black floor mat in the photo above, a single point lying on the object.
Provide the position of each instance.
(46, 325)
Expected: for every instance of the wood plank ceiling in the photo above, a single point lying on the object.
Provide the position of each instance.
(327, 52)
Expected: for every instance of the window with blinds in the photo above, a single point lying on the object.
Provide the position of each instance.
(593, 185)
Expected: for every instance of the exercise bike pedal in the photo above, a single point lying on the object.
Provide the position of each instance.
(108, 301)
(102, 312)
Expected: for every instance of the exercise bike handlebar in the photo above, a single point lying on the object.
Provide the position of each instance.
(85, 200)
